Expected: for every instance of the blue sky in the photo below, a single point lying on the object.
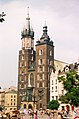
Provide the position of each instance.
(62, 19)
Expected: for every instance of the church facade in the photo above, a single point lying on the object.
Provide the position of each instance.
(34, 69)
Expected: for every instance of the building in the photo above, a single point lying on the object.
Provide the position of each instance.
(10, 100)
(34, 68)
(2, 98)
(56, 87)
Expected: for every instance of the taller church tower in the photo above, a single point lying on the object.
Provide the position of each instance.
(26, 65)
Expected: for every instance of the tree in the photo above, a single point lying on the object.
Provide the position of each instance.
(1, 17)
(1, 108)
(54, 104)
(71, 85)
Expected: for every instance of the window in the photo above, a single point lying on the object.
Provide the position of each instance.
(14, 99)
(52, 97)
(40, 68)
(52, 82)
(40, 76)
(56, 97)
(56, 81)
(40, 52)
(32, 58)
(62, 92)
(11, 96)
(32, 79)
(52, 89)
(40, 61)
(14, 103)
(22, 86)
(55, 88)
(22, 57)
(40, 84)
(50, 52)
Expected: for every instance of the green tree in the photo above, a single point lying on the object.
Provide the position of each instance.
(1, 17)
(71, 85)
(1, 108)
(54, 104)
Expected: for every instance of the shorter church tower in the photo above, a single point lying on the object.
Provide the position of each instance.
(44, 66)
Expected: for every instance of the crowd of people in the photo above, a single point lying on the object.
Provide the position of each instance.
(37, 114)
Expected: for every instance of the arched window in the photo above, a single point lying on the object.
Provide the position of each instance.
(32, 79)
(40, 52)
(40, 84)
(22, 85)
(24, 106)
(29, 106)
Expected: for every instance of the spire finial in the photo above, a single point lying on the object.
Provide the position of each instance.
(28, 12)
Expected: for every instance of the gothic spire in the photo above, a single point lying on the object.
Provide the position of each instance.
(28, 20)
(27, 32)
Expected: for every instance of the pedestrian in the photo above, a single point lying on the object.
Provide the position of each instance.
(35, 115)
(48, 115)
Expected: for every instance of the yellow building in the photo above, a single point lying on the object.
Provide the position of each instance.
(11, 100)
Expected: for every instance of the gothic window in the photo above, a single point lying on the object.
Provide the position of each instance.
(22, 78)
(37, 85)
(22, 57)
(22, 71)
(40, 76)
(40, 52)
(40, 61)
(50, 52)
(32, 58)
(40, 68)
(40, 84)
(32, 79)
(50, 62)
(43, 76)
(22, 85)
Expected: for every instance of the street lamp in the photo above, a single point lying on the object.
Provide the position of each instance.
(1, 17)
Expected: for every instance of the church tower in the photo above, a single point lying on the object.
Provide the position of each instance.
(26, 69)
(44, 66)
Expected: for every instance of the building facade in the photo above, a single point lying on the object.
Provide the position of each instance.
(34, 68)
(10, 100)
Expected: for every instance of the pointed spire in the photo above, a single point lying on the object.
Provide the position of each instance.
(28, 20)
(27, 31)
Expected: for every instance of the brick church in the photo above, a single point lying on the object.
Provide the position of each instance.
(34, 68)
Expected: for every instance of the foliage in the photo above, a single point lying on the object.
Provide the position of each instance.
(1, 17)
(1, 108)
(54, 104)
(71, 85)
